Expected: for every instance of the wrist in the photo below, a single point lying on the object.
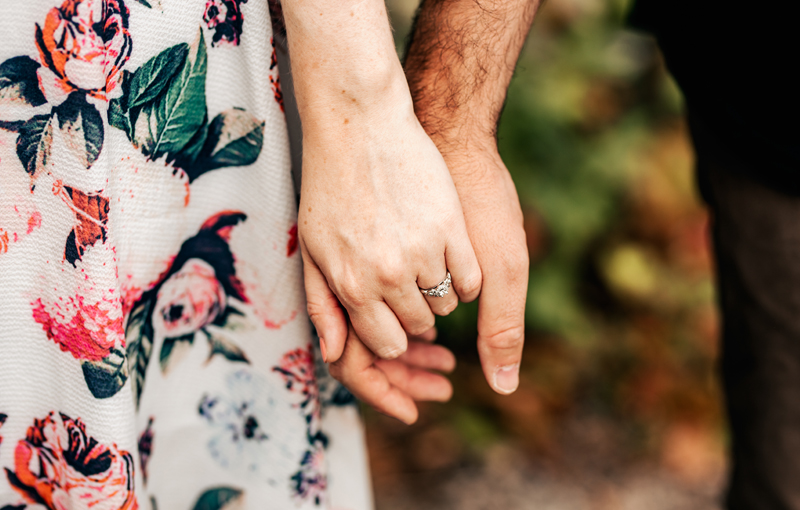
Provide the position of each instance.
(348, 102)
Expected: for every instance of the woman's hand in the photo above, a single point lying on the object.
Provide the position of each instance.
(393, 386)
(379, 214)
(379, 218)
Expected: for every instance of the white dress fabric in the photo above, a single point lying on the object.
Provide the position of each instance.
(155, 352)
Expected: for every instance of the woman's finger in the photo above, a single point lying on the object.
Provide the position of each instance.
(356, 370)
(324, 311)
(420, 385)
(429, 357)
(379, 329)
(434, 279)
(409, 305)
(463, 265)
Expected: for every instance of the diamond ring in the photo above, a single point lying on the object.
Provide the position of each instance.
(440, 290)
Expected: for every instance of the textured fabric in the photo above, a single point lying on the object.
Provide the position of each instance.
(757, 249)
(154, 347)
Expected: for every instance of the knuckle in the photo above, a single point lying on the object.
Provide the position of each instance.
(392, 274)
(471, 283)
(448, 308)
(421, 327)
(515, 263)
(352, 293)
(505, 339)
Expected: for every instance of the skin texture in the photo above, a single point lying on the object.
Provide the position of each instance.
(459, 64)
(379, 213)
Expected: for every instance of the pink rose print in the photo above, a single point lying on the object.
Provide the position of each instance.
(83, 46)
(224, 17)
(190, 299)
(59, 466)
(84, 317)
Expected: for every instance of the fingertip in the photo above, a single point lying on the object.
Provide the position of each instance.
(505, 379)
(323, 349)
(408, 416)
(392, 351)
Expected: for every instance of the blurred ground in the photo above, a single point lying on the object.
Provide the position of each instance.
(618, 405)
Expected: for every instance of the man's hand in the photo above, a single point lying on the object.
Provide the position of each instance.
(393, 386)
(459, 64)
(494, 223)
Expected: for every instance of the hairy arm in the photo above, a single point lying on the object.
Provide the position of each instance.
(459, 63)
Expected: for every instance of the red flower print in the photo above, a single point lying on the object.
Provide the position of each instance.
(84, 314)
(91, 217)
(83, 46)
(277, 93)
(291, 246)
(19, 218)
(189, 299)
(59, 466)
(3, 241)
(299, 372)
(224, 17)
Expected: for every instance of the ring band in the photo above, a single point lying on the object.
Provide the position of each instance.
(440, 290)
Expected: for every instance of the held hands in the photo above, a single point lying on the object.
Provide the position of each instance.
(380, 218)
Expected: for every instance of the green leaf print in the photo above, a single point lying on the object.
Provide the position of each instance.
(219, 498)
(173, 346)
(150, 80)
(139, 339)
(235, 138)
(169, 122)
(118, 117)
(82, 128)
(221, 345)
(106, 377)
(33, 145)
(19, 82)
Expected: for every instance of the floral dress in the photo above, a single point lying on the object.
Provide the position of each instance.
(154, 347)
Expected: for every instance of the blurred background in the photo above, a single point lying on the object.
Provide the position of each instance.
(618, 406)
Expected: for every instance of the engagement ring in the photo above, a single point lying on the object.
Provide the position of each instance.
(440, 290)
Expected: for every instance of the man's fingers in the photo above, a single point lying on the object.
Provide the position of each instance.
(429, 356)
(419, 384)
(324, 311)
(357, 371)
(501, 320)
(463, 266)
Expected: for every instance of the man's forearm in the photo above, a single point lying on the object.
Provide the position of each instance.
(459, 64)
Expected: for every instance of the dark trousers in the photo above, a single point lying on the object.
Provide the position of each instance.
(756, 239)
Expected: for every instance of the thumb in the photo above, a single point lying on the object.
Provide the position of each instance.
(325, 312)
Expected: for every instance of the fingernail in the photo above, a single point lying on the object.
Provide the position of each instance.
(506, 379)
(323, 349)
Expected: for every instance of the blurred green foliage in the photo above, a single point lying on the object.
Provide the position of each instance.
(620, 314)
